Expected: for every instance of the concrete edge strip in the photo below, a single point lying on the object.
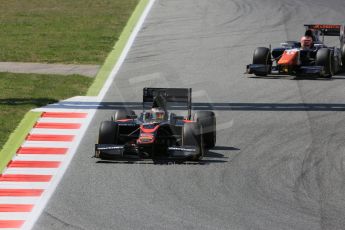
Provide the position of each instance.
(17, 138)
(118, 49)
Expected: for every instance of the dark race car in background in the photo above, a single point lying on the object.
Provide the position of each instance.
(291, 59)
(158, 135)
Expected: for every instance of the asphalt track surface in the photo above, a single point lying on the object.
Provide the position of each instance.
(279, 161)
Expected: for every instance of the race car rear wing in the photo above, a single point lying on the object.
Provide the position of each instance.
(326, 29)
(173, 96)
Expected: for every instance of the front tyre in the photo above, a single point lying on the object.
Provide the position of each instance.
(207, 120)
(191, 136)
(262, 56)
(108, 133)
(324, 58)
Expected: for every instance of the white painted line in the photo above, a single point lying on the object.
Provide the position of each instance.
(14, 215)
(18, 200)
(39, 157)
(32, 171)
(24, 185)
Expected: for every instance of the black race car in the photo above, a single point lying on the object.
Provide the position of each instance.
(157, 133)
(292, 59)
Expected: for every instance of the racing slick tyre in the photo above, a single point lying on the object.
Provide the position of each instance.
(122, 114)
(324, 58)
(262, 55)
(191, 136)
(207, 120)
(107, 135)
(343, 57)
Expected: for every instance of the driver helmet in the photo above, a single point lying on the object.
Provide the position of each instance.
(158, 114)
(306, 42)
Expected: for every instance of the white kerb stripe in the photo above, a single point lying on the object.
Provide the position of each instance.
(14, 215)
(61, 120)
(24, 185)
(55, 131)
(39, 157)
(32, 171)
(48, 144)
(18, 200)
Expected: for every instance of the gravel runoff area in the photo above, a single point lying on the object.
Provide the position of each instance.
(43, 68)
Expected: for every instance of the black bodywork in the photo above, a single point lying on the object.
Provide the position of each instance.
(140, 137)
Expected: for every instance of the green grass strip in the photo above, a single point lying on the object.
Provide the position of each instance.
(114, 55)
(17, 138)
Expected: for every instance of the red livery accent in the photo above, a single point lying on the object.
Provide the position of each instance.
(324, 26)
(25, 178)
(11, 223)
(64, 115)
(290, 57)
(124, 120)
(38, 150)
(49, 137)
(146, 130)
(46, 125)
(146, 138)
(34, 164)
(147, 135)
(16, 207)
(21, 192)
(188, 121)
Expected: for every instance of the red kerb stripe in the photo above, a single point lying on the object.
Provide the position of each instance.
(47, 125)
(25, 178)
(38, 150)
(64, 115)
(21, 192)
(11, 223)
(49, 137)
(16, 207)
(34, 164)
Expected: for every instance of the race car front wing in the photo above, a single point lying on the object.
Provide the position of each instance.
(111, 151)
(261, 69)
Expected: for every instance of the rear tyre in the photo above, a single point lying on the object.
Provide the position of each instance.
(324, 58)
(262, 56)
(107, 134)
(207, 120)
(122, 114)
(191, 136)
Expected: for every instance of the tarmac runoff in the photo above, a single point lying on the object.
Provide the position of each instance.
(44, 68)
